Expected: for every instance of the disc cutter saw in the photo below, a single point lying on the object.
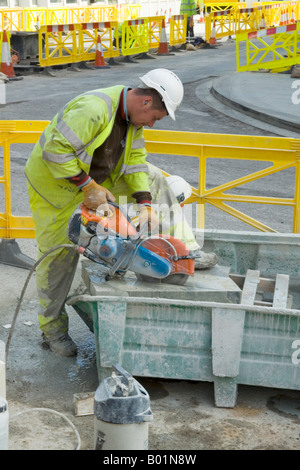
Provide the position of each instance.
(114, 242)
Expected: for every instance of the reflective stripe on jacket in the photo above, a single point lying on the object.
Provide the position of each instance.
(188, 8)
(67, 145)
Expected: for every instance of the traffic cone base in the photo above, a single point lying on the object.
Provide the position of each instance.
(212, 39)
(163, 44)
(99, 60)
(6, 62)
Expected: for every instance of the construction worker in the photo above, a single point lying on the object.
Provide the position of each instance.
(189, 8)
(118, 33)
(93, 152)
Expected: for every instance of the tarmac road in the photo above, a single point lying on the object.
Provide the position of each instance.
(185, 417)
(39, 97)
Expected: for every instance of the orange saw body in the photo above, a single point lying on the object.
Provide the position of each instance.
(114, 241)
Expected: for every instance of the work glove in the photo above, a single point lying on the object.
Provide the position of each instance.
(96, 197)
(148, 216)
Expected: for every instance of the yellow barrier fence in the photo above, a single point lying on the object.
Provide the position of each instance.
(246, 20)
(29, 19)
(101, 13)
(128, 11)
(281, 12)
(240, 19)
(135, 34)
(74, 43)
(278, 153)
(177, 30)
(220, 6)
(252, 19)
(11, 133)
(12, 19)
(154, 31)
(223, 23)
(275, 49)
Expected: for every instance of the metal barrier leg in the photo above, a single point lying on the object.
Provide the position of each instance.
(11, 254)
(144, 55)
(130, 60)
(180, 48)
(112, 61)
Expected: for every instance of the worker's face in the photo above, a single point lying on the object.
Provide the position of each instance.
(144, 115)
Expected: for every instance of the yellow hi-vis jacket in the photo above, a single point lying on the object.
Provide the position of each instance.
(188, 8)
(67, 145)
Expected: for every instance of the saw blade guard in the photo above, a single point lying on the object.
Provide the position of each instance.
(174, 251)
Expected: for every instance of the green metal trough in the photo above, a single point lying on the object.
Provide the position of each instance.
(237, 323)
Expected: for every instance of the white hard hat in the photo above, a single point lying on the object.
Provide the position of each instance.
(181, 188)
(168, 85)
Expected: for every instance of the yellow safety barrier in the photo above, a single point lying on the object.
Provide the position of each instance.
(34, 17)
(154, 31)
(222, 21)
(178, 30)
(88, 37)
(265, 16)
(293, 11)
(279, 154)
(251, 19)
(16, 132)
(103, 13)
(73, 43)
(281, 12)
(246, 20)
(239, 19)
(29, 19)
(79, 15)
(128, 11)
(275, 48)
(12, 19)
(220, 6)
(135, 34)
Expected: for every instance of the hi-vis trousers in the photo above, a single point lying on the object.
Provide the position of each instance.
(55, 274)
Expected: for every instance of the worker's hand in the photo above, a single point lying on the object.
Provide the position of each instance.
(96, 196)
(148, 216)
